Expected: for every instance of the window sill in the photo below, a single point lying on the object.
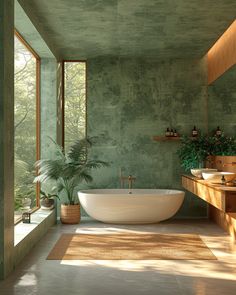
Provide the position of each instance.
(22, 230)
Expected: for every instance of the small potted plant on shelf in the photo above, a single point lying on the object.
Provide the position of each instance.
(68, 170)
(47, 200)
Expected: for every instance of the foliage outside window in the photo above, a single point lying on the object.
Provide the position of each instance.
(74, 102)
(25, 127)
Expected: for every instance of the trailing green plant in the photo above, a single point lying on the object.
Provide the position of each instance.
(193, 152)
(68, 169)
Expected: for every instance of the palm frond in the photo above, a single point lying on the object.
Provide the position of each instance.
(84, 175)
(78, 151)
(49, 170)
(96, 164)
(59, 149)
(60, 186)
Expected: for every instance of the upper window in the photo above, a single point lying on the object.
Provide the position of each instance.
(26, 126)
(74, 101)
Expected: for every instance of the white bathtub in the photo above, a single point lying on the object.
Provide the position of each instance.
(139, 207)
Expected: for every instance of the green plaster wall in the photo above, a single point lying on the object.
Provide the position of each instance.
(23, 247)
(6, 137)
(29, 25)
(25, 27)
(48, 106)
(10, 255)
(49, 127)
(222, 103)
(129, 101)
(59, 74)
(141, 28)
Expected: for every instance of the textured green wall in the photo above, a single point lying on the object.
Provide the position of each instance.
(25, 27)
(141, 28)
(48, 106)
(6, 137)
(222, 103)
(29, 26)
(129, 101)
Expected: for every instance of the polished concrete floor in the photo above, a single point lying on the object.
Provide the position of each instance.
(36, 275)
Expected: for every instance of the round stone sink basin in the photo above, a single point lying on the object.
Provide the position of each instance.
(198, 172)
(217, 176)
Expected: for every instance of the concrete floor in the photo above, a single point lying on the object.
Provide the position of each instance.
(36, 275)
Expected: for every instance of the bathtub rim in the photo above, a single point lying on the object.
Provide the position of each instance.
(136, 191)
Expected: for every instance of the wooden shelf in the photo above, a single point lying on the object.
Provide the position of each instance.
(221, 197)
(171, 138)
(166, 138)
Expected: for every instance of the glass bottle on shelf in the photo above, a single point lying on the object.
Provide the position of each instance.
(175, 133)
(218, 131)
(167, 132)
(194, 132)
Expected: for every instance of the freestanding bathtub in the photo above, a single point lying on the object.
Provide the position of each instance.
(138, 207)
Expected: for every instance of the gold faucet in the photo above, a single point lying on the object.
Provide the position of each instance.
(130, 179)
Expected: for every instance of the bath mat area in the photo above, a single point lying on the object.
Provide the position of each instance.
(130, 247)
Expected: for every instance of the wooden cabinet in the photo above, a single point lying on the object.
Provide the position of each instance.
(221, 200)
(221, 197)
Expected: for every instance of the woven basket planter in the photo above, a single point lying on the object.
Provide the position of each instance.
(70, 214)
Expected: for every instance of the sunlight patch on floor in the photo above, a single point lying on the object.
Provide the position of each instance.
(188, 268)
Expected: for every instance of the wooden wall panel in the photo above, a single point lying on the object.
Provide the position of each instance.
(222, 163)
(222, 55)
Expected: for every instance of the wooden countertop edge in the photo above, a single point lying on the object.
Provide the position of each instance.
(217, 187)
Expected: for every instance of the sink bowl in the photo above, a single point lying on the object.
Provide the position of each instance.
(217, 176)
(198, 172)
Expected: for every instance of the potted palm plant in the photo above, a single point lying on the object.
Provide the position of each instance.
(68, 170)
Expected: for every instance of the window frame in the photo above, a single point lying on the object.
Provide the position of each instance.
(38, 102)
(63, 96)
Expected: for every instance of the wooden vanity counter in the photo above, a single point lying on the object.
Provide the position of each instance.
(220, 196)
(221, 200)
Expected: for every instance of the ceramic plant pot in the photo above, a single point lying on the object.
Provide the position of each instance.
(47, 204)
(70, 214)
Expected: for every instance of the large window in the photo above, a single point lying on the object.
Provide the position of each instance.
(74, 101)
(26, 126)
